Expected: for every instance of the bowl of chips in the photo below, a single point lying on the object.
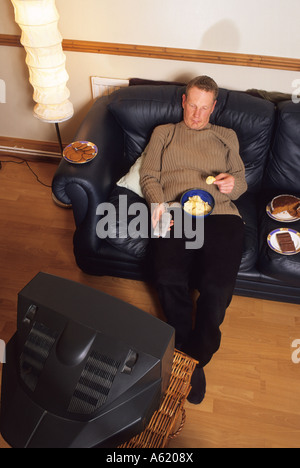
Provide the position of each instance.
(198, 203)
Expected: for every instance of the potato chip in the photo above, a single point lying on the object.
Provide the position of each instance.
(210, 180)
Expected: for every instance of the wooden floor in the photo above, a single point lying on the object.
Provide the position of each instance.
(253, 394)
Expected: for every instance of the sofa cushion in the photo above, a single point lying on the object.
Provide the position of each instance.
(122, 232)
(252, 119)
(283, 170)
(132, 180)
(139, 109)
(246, 205)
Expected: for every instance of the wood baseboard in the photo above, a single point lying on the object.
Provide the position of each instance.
(29, 148)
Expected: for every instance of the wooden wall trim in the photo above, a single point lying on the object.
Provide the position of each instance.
(169, 53)
(10, 40)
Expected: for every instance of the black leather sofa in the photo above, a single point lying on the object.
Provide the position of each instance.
(121, 125)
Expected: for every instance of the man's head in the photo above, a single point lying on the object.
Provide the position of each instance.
(199, 102)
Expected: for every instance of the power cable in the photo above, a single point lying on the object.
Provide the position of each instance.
(24, 161)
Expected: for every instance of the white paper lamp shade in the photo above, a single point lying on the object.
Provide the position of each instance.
(38, 20)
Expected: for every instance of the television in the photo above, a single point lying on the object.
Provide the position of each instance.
(83, 370)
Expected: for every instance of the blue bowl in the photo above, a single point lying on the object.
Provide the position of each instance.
(205, 196)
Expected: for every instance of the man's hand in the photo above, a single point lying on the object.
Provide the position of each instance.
(225, 182)
(157, 214)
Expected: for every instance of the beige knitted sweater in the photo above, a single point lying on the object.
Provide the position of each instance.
(178, 159)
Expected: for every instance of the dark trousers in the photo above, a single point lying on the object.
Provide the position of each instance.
(212, 270)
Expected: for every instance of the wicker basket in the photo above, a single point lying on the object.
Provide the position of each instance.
(162, 426)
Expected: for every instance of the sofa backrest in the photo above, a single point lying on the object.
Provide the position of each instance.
(253, 121)
(139, 109)
(283, 170)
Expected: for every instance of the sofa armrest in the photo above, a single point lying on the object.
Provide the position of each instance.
(85, 186)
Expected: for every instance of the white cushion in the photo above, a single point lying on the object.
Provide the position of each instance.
(131, 180)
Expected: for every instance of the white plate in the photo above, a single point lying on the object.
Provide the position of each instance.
(273, 243)
(283, 217)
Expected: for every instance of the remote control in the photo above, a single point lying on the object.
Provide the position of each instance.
(163, 225)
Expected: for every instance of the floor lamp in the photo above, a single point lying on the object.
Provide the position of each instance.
(38, 20)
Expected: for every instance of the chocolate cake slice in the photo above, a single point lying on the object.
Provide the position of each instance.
(288, 203)
(285, 242)
(295, 211)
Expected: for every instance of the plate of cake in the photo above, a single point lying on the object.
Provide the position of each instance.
(284, 241)
(284, 208)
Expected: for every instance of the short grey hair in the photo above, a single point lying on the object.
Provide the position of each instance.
(205, 83)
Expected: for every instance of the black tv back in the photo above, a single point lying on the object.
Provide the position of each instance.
(83, 370)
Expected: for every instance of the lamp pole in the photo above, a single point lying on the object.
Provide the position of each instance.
(59, 138)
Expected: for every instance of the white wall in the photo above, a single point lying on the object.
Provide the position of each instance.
(261, 27)
(268, 27)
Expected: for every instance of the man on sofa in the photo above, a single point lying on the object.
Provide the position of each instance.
(180, 157)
